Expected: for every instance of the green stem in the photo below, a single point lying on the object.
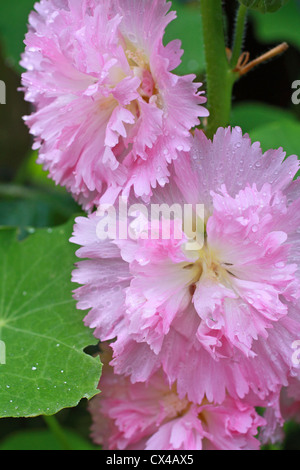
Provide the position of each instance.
(58, 432)
(219, 76)
(239, 35)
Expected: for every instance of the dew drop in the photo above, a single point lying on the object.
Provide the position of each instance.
(132, 37)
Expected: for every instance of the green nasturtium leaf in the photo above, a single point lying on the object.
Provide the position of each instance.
(264, 6)
(42, 336)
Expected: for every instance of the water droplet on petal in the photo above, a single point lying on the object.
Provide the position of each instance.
(280, 265)
(132, 37)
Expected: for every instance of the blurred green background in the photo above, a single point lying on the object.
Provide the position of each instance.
(262, 106)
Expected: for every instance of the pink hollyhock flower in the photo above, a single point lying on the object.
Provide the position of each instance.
(153, 417)
(109, 114)
(219, 317)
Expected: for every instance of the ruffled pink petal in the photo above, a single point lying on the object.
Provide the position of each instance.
(99, 79)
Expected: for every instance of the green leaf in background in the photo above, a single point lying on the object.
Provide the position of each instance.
(26, 207)
(188, 28)
(279, 134)
(43, 439)
(264, 6)
(34, 200)
(45, 366)
(249, 115)
(271, 126)
(13, 27)
(281, 26)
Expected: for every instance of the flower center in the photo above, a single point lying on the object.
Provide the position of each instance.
(174, 405)
(140, 67)
(207, 264)
(211, 266)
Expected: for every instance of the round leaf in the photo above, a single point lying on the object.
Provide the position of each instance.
(42, 336)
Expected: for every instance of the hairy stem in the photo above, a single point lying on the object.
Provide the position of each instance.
(239, 35)
(219, 76)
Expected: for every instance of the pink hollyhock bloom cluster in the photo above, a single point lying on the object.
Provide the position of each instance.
(202, 313)
(109, 113)
(152, 416)
(219, 318)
